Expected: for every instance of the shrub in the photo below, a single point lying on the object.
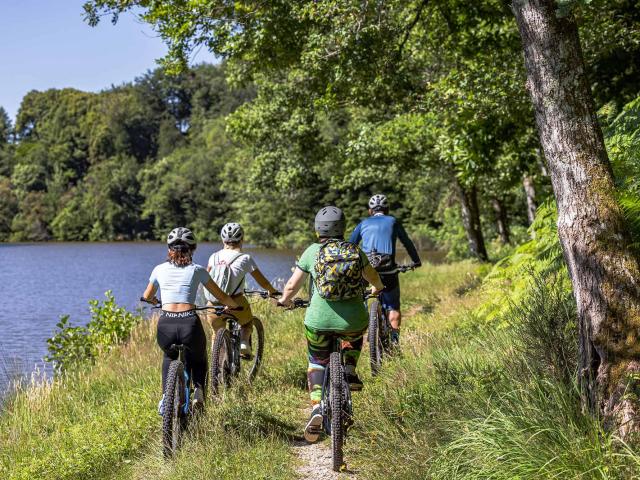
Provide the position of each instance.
(73, 346)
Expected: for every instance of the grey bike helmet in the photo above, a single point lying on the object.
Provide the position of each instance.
(181, 235)
(232, 233)
(330, 222)
(378, 202)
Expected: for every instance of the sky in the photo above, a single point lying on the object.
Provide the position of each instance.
(46, 44)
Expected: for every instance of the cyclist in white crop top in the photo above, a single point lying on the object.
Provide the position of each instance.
(178, 280)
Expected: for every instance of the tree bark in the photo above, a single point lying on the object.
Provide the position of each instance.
(471, 220)
(501, 220)
(530, 193)
(595, 241)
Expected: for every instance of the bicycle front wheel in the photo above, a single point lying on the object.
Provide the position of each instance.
(376, 347)
(173, 417)
(337, 386)
(220, 375)
(257, 343)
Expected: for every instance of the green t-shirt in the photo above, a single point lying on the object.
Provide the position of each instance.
(332, 315)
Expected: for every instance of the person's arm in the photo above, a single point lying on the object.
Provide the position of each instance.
(356, 236)
(293, 286)
(370, 275)
(208, 268)
(219, 294)
(408, 244)
(263, 282)
(150, 294)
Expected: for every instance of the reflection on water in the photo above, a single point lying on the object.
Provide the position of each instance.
(40, 282)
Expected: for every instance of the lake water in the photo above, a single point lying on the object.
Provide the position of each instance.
(42, 281)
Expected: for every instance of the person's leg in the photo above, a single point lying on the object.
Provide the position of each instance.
(395, 319)
(319, 350)
(192, 336)
(390, 299)
(215, 321)
(351, 348)
(166, 336)
(245, 319)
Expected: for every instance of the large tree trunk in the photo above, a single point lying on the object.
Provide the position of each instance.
(530, 193)
(501, 220)
(471, 220)
(604, 272)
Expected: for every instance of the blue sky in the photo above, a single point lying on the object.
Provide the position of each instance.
(46, 44)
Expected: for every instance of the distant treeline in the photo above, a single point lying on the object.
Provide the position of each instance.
(135, 160)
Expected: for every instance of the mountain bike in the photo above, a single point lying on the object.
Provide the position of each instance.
(177, 405)
(379, 334)
(226, 359)
(336, 406)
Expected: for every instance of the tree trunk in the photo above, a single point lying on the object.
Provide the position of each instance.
(471, 220)
(501, 220)
(596, 245)
(530, 193)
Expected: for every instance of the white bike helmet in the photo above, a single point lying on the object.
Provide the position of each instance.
(378, 202)
(181, 235)
(232, 233)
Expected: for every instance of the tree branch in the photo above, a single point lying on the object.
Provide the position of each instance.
(415, 21)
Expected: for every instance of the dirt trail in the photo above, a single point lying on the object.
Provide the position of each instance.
(315, 462)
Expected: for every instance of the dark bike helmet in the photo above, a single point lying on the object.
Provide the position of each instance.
(330, 222)
(378, 202)
(181, 236)
(232, 233)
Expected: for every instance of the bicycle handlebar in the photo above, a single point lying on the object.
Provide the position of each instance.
(296, 303)
(262, 293)
(219, 309)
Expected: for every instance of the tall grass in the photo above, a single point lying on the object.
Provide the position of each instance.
(488, 399)
(473, 396)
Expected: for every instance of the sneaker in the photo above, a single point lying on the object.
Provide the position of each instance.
(314, 425)
(355, 384)
(161, 406)
(245, 349)
(198, 399)
(395, 338)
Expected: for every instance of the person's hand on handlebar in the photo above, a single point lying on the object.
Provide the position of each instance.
(376, 291)
(153, 300)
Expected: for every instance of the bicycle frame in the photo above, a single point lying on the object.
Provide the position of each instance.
(187, 383)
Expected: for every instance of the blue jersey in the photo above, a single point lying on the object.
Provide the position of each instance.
(379, 233)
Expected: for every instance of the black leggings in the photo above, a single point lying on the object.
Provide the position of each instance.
(183, 328)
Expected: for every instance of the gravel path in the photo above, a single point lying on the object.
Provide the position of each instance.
(315, 461)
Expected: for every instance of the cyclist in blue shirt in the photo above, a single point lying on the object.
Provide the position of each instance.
(377, 235)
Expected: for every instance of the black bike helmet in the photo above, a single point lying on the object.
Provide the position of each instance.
(330, 222)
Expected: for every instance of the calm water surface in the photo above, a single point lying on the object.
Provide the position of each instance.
(40, 282)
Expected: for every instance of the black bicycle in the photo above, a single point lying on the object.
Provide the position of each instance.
(226, 358)
(379, 334)
(335, 405)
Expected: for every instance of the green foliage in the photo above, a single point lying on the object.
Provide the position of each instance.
(72, 347)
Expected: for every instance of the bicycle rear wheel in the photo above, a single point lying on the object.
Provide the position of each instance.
(173, 418)
(220, 362)
(257, 343)
(376, 346)
(337, 386)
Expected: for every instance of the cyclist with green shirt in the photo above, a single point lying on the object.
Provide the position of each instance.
(346, 316)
